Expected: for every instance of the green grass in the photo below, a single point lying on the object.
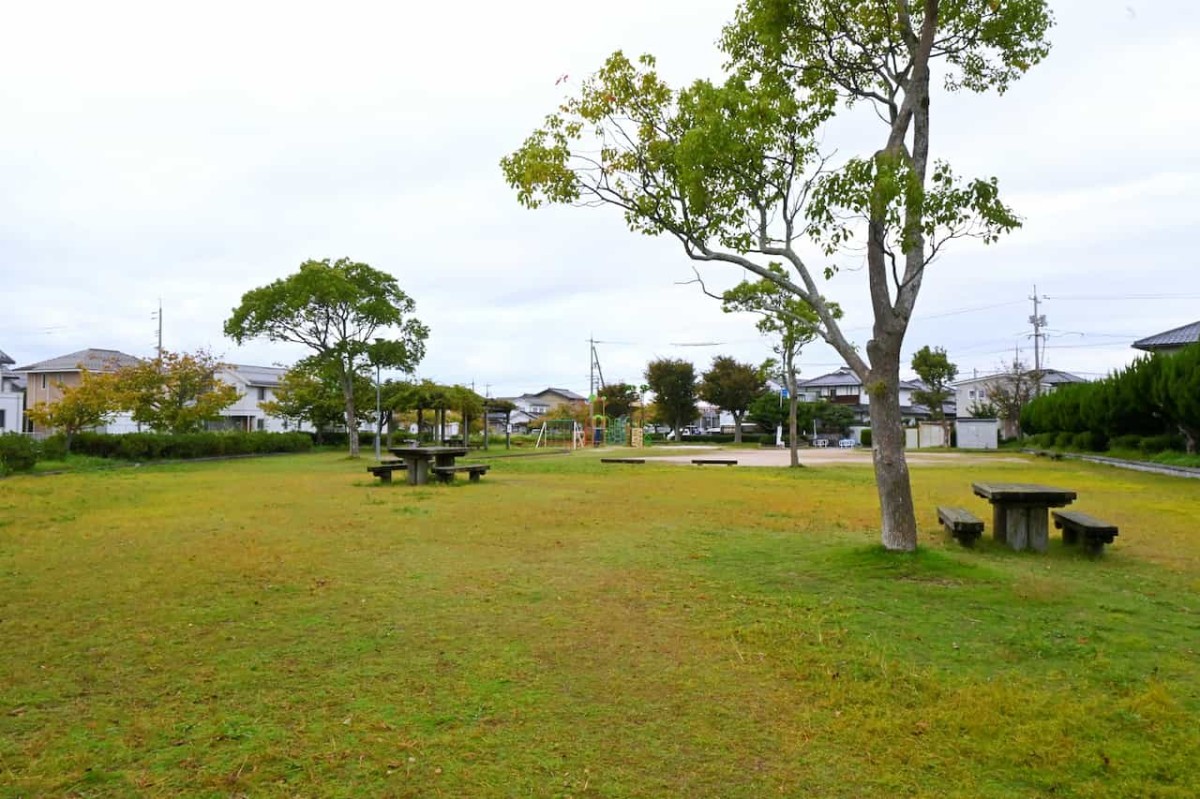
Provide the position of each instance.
(288, 626)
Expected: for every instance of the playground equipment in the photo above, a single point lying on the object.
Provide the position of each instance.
(561, 434)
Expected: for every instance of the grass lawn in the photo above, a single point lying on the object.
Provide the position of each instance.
(287, 626)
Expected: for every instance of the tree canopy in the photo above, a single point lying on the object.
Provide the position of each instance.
(175, 392)
(936, 372)
(734, 171)
(91, 403)
(673, 382)
(732, 386)
(341, 311)
(619, 399)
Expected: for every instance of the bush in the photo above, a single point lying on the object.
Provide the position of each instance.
(1152, 445)
(54, 448)
(155, 446)
(18, 453)
(1126, 442)
(1063, 440)
(866, 438)
(1090, 441)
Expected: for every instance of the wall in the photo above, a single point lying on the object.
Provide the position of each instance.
(977, 433)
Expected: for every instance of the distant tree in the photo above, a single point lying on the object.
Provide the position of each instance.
(792, 323)
(1178, 392)
(983, 410)
(306, 394)
(619, 399)
(936, 372)
(732, 386)
(175, 392)
(1009, 392)
(830, 416)
(337, 310)
(673, 382)
(91, 403)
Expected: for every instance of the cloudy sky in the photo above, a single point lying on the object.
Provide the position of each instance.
(189, 153)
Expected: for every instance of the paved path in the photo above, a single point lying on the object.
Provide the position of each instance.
(812, 456)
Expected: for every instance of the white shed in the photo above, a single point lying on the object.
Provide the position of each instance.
(977, 433)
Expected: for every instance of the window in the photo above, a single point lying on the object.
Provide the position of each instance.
(43, 381)
(2, 411)
(971, 394)
(262, 423)
(262, 395)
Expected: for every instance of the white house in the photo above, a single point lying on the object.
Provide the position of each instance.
(255, 385)
(973, 392)
(843, 387)
(12, 397)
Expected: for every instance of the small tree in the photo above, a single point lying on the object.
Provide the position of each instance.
(336, 310)
(936, 372)
(673, 382)
(91, 403)
(174, 393)
(305, 394)
(1009, 393)
(791, 321)
(619, 399)
(732, 387)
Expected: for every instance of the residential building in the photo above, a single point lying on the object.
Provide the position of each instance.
(1171, 340)
(844, 387)
(255, 385)
(12, 397)
(44, 381)
(544, 401)
(973, 392)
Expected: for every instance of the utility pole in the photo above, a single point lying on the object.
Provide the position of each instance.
(1038, 320)
(158, 315)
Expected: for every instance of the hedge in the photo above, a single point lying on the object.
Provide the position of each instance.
(155, 446)
(18, 453)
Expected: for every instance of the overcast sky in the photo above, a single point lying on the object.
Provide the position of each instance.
(189, 153)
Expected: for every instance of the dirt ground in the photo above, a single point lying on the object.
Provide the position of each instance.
(809, 456)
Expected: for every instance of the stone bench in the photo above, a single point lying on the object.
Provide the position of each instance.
(1076, 525)
(446, 474)
(384, 470)
(714, 461)
(961, 523)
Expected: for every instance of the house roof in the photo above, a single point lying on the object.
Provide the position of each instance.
(845, 377)
(266, 376)
(562, 392)
(4, 359)
(1179, 337)
(94, 360)
(1050, 377)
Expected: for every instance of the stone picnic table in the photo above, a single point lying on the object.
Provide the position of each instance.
(1021, 511)
(417, 460)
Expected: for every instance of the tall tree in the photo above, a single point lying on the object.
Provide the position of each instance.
(732, 170)
(936, 372)
(793, 324)
(339, 311)
(619, 399)
(90, 403)
(175, 392)
(732, 386)
(1178, 392)
(673, 382)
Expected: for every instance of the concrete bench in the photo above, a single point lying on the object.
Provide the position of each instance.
(622, 460)
(1076, 525)
(446, 474)
(714, 461)
(384, 470)
(961, 523)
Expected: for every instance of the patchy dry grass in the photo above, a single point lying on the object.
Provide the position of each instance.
(285, 627)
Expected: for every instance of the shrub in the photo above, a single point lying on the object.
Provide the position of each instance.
(1090, 441)
(153, 446)
(18, 453)
(1126, 442)
(1063, 440)
(866, 438)
(54, 448)
(1152, 445)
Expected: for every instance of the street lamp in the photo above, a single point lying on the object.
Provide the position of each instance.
(378, 407)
